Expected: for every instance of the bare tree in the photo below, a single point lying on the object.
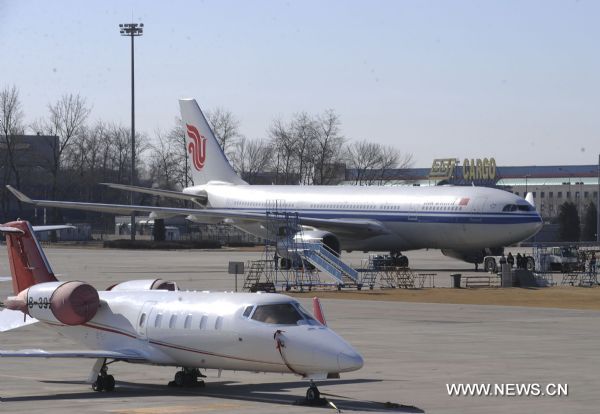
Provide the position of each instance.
(303, 132)
(178, 141)
(329, 145)
(66, 120)
(11, 124)
(392, 163)
(225, 127)
(252, 157)
(164, 161)
(374, 162)
(284, 144)
(363, 156)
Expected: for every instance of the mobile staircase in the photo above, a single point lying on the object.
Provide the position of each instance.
(329, 262)
(290, 262)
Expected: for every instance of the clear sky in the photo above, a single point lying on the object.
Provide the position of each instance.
(517, 80)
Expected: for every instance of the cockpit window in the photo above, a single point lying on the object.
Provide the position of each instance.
(525, 207)
(248, 311)
(518, 207)
(280, 313)
(307, 316)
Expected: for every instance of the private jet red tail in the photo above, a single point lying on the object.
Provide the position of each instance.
(28, 263)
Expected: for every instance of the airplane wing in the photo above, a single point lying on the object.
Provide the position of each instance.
(124, 209)
(40, 353)
(198, 198)
(12, 319)
(363, 227)
(52, 227)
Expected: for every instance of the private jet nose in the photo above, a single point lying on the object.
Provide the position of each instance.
(334, 352)
(349, 361)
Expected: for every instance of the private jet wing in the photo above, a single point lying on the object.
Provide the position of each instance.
(40, 353)
(362, 227)
(198, 198)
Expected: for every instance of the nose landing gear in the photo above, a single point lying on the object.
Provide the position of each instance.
(313, 395)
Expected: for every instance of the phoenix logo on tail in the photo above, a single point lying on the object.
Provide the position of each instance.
(197, 146)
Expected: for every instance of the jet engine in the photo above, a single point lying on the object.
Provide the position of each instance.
(285, 245)
(70, 303)
(319, 236)
(473, 256)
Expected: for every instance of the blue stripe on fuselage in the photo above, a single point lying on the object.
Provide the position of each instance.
(415, 217)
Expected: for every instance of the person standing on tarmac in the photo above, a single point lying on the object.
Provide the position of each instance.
(519, 261)
(510, 260)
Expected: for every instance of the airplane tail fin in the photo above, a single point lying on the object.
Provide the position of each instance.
(28, 263)
(318, 311)
(207, 160)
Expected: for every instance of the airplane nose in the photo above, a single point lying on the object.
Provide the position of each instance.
(537, 226)
(349, 361)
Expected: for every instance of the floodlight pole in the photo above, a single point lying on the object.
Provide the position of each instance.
(132, 30)
(598, 205)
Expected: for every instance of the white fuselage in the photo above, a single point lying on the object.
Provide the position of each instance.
(210, 330)
(445, 217)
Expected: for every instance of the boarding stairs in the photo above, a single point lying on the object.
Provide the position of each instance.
(327, 261)
(255, 273)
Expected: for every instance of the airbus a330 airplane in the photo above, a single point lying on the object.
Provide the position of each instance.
(465, 222)
(152, 322)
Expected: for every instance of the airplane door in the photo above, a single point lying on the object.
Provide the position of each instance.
(144, 319)
(413, 208)
(478, 207)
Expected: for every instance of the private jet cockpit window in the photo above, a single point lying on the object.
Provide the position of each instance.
(282, 314)
(308, 319)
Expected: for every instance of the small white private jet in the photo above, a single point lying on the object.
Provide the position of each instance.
(153, 322)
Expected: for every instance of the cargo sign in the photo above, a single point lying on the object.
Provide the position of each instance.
(474, 169)
(479, 169)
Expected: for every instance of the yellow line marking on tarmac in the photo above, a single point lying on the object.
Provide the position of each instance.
(177, 409)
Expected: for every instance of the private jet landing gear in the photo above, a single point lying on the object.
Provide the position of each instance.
(313, 395)
(104, 382)
(187, 377)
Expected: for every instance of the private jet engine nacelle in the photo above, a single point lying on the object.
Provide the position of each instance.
(144, 284)
(319, 236)
(70, 303)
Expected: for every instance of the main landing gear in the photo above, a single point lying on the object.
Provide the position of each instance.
(104, 382)
(398, 259)
(187, 377)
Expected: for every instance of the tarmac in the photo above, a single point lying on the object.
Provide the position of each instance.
(412, 351)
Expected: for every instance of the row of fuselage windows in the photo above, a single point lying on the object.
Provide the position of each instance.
(430, 206)
(170, 321)
(279, 313)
